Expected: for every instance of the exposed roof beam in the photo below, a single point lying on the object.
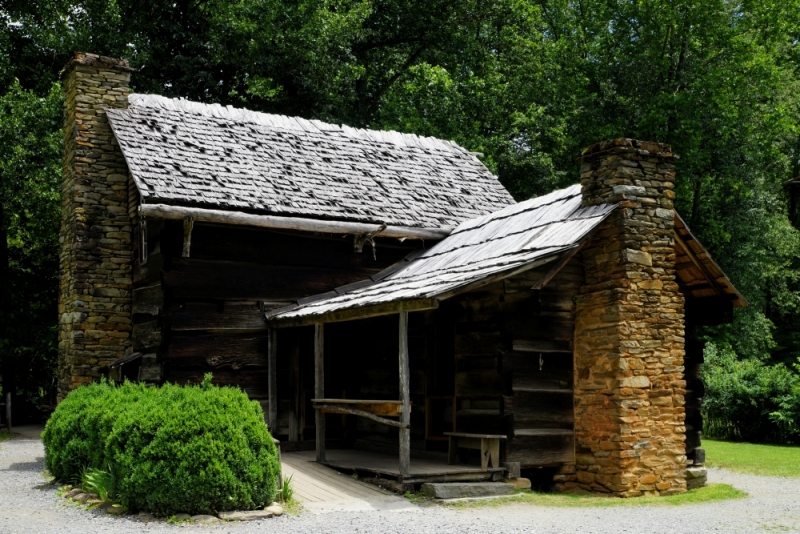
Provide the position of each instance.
(165, 211)
(711, 280)
(350, 314)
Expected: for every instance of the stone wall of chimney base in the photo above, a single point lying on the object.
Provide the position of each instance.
(95, 254)
(629, 336)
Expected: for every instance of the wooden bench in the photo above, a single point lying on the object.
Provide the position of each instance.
(488, 444)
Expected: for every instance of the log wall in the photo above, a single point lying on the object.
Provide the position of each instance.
(205, 313)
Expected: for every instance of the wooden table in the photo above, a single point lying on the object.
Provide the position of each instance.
(488, 444)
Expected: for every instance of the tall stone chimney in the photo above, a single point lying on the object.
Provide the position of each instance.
(95, 287)
(629, 335)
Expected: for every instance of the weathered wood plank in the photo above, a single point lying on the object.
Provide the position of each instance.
(530, 409)
(163, 211)
(147, 300)
(292, 248)
(541, 450)
(146, 336)
(199, 279)
(214, 316)
(272, 359)
(319, 387)
(487, 382)
(213, 352)
(405, 396)
(542, 345)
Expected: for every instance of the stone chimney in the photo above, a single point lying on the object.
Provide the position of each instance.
(629, 336)
(95, 286)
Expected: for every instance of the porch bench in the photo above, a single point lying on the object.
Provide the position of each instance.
(488, 444)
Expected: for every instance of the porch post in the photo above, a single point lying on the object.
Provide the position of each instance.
(319, 389)
(272, 379)
(405, 415)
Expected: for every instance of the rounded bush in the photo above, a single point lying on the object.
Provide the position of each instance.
(194, 449)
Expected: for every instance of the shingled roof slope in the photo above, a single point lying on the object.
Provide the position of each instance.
(503, 242)
(201, 155)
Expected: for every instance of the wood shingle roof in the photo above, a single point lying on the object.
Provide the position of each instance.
(501, 244)
(208, 156)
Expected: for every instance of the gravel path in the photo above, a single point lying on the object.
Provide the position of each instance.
(773, 506)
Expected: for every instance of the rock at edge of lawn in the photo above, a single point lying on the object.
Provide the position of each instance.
(251, 515)
(204, 518)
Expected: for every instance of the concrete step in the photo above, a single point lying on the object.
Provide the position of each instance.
(457, 490)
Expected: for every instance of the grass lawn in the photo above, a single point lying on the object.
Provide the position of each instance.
(769, 460)
(711, 493)
(4, 435)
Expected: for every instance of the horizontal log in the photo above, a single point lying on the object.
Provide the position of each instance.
(163, 211)
(542, 345)
(148, 300)
(209, 316)
(364, 312)
(554, 365)
(146, 336)
(361, 413)
(213, 242)
(149, 272)
(487, 382)
(478, 343)
(198, 279)
(210, 352)
(529, 408)
(541, 449)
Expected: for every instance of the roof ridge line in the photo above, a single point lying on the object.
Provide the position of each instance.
(287, 122)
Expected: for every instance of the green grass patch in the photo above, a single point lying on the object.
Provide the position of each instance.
(710, 493)
(768, 460)
(4, 435)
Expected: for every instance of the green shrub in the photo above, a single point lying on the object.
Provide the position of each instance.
(749, 399)
(195, 449)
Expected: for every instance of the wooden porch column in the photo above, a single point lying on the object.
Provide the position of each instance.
(405, 414)
(319, 389)
(296, 421)
(272, 381)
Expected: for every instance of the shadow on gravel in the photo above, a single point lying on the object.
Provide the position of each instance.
(38, 465)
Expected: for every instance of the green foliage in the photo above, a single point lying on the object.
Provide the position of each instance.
(749, 399)
(528, 84)
(30, 172)
(99, 481)
(199, 449)
(287, 491)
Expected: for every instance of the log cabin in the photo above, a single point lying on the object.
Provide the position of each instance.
(393, 309)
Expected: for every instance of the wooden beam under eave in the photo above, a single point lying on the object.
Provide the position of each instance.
(405, 397)
(711, 280)
(365, 312)
(165, 211)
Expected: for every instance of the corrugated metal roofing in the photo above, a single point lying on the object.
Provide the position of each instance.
(504, 241)
(205, 155)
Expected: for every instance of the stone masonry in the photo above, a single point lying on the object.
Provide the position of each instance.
(629, 334)
(95, 288)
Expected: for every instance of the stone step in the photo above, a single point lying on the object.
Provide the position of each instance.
(457, 490)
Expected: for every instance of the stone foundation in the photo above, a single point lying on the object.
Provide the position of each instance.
(629, 336)
(95, 285)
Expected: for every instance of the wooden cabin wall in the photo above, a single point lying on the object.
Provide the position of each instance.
(500, 387)
(205, 313)
(475, 361)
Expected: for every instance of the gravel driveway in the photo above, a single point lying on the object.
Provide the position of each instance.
(773, 506)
